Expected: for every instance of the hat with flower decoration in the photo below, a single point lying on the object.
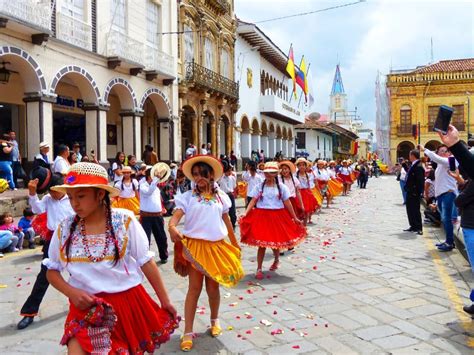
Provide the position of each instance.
(81, 175)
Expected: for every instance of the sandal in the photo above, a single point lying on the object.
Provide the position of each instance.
(187, 345)
(275, 265)
(259, 274)
(216, 330)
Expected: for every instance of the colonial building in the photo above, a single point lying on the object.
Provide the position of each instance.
(208, 93)
(415, 97)
(98, 72)
(365, 142)
(267, 115)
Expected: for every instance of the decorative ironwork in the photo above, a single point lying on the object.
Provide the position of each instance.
(158, 60)
(74, 31)
(209, 79)
(123, 46)
(34, 12)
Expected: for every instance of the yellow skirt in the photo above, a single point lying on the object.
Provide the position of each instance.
(317, 195)
(131, 204)
(242, 189)
(335, 187)
(219, 260)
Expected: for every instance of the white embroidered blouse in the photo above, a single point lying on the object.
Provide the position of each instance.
(306, 183)
(128, 190)
(101, 276)
(203, 216)
(291, 184)
(270, 198)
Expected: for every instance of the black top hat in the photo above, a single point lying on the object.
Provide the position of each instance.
(44, 176)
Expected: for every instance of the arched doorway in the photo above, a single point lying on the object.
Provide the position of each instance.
(264, 138)
(188, 129)
(432, 145)
(225, 136)
(245, 138)
(403, 149)
(255, 136)
(207, 134)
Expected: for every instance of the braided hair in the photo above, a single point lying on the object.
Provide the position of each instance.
(260, 197)
(305, 173)
(205, 170)
(292, 178)
(133, 185)
(75, 222)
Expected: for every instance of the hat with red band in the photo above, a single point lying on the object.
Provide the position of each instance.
(81, 175)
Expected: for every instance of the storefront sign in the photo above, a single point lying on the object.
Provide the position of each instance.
(69, 102)
(289, 108)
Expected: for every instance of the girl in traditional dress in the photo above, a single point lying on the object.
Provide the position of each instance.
(322, 179)
(288, 171)
(105, 252)
(306, 181)
(128, 187)
(273, 223)
(345, 175)
(335, 185)
(201, 251)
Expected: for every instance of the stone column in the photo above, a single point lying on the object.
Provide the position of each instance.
(96, 131)
(39, 121)
(129, 132)
(137, 136)
(271, 145)
(245, 144)
(264, 145)
(256, 141)
(279, 145)
(228, 138)
(195, 130)
(213, 136)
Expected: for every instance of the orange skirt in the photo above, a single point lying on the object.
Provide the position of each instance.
(310, 203)
(127, 322)
(271, 229)
(335, 187)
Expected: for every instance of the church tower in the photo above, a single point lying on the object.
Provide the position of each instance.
(338, 102)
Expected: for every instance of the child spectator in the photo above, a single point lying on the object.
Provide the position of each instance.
(25, 225)
(8, 241)
(6, 223)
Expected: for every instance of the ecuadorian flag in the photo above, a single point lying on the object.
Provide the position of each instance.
(290, 68)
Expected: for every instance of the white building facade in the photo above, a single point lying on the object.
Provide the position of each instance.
(97, 72)
(314, 143)
(266, 116)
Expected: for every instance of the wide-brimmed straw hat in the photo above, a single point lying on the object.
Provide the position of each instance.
(271, 167)
(81, 175)
(127, 169)
(301, 160)
(161, 170)
(215, 165)
(289, 164)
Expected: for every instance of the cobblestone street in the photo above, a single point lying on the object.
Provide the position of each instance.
(358, 284)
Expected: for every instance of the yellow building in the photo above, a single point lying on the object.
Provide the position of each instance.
(415, 97)
(208, 94)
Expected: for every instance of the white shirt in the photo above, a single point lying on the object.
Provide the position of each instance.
(127, 191)
(332, 173)
(270, 198)
(403, 174)
(306, 183)
(203, 151)
(291, 184)
(345, 171)
(61, 165)
(150, 196)
(203, 216)
(102, 276)
(190, 151)
(57, 210)
(228, 183)
(321, 174)
(251, 181)
(115, 166)
(443, 181)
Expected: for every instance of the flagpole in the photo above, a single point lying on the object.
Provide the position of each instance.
(306, 77)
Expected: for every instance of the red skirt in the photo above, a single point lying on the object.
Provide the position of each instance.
(127, 322)
(299, 211)
(271, 229)
(346, 179)
(309, 201)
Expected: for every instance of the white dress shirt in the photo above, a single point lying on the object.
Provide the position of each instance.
(57, 210)
(60, 165)
(443, 181)
(150, 196)
(228, 183)
(251, 181)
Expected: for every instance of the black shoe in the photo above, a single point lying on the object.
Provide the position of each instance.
(25, 322)
(409, 230)
(469, 309)
(419, 232)
(282, 253)
(163, 261)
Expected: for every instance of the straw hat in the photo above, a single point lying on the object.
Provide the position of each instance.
(161, 170)
(288, 164)
(320, 161)
(127, 169)
(82, 175)
(271, 167)
(215, 164)
(44, 145)
(301, 160)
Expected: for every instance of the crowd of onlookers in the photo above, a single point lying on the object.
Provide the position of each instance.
(442, 181)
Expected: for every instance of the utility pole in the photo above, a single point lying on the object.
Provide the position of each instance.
(468, 114)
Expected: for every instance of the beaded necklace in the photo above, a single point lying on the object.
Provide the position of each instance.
(108, 238)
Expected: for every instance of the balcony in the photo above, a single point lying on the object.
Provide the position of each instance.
(404, 130)
(210, 80)
(222, 5)
(74, 31)
(276, 107)
(28, 12)
(123, 47)
(159, 61)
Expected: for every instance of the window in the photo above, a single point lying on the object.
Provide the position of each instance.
(188, 44)
(458, 117)
(338, 102)
(405, 119)
(118, 9)
(432, 114)
(209, 54)
(300, 140)
(73, 8)
(225, 67)
(153, 24)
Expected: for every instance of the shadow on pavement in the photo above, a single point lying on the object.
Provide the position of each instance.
(12, 330)
(30, 260)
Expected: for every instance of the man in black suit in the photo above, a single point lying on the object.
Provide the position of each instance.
(414, 186)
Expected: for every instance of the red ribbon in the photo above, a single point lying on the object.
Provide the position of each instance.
(79, 179)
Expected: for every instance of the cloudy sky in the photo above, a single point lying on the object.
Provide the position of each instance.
(371, 36)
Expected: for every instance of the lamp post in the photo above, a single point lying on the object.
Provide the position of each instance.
(468, 114)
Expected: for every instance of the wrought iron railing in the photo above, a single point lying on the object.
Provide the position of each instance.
(35, 12)
(158, 60)
(121, 45)
(74, 31)
(209, 79)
